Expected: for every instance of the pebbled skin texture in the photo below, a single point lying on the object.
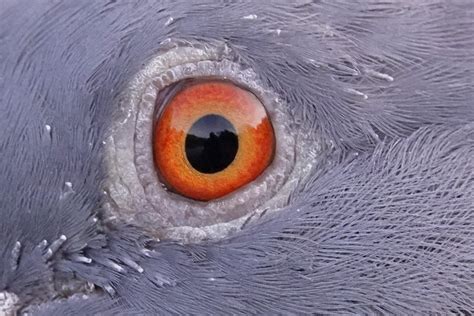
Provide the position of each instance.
(388, 228)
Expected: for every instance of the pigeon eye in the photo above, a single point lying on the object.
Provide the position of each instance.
(200, 143)
(211, 138)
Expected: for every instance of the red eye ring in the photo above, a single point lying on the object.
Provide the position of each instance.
(228, 102)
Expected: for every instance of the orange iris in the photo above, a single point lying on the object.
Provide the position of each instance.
(212, 138)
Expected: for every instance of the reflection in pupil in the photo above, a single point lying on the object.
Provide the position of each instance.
(211, 144)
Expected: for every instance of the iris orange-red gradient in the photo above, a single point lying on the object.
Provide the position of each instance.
(250, 120)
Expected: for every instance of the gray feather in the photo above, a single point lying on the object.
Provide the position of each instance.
(389, 230)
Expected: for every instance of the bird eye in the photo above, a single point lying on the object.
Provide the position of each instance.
(212, 138)
(199, 143)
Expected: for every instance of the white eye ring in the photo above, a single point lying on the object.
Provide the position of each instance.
(134, 192)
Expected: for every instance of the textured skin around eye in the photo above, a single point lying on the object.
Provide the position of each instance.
(256, 140)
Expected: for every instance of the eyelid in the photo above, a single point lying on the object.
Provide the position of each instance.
(134, 192)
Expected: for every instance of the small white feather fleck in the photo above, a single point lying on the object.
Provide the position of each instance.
(357, 92)
(380, 75)
(169, 21)
(8, 304)
(250, 17)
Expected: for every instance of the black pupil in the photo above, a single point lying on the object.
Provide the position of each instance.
(211, 144)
